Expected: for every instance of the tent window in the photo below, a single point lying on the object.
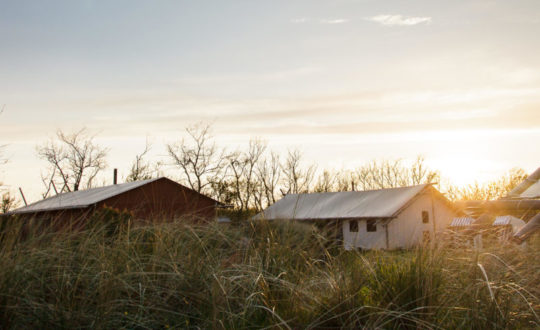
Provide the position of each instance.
(371, 225)
(425, 217)
(353, 226)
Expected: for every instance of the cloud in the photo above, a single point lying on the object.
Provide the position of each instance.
(334, 21)
(299, 20)
(399, 20)
(302, 20)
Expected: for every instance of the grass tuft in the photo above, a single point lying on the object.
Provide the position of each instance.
(255, 275)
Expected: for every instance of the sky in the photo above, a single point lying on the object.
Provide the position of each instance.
(345, 81)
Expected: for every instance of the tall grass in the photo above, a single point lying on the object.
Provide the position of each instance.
(255, 275)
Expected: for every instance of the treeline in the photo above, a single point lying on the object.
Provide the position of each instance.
(247, 178)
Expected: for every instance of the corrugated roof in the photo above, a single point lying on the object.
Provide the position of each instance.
(383, 203)
(81, 198)
(484, 219)
(462, 222)
(508, 220)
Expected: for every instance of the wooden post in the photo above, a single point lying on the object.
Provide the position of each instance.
(115, 176)
(24, 199)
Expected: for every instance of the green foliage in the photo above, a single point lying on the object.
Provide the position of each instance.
(253, 275)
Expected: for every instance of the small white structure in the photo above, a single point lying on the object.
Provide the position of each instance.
(375, 219)
(223, 220)
(508, 225)
(460, 229)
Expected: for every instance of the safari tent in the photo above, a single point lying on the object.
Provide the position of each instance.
(155, 199)
(376, 219)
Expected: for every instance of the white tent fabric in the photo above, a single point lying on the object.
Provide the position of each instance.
(532, 227)
(383, 203)
(532, 192)
(529, 188)
(506, 220)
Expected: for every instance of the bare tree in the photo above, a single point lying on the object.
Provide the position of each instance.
(384, 174)
(256, 149)
(419, 173)
(243, 169)
(236, 166)
(269, 177)
(198, 157)
(332, 180)
(296, 179)
(141, 169)
(74, 160)
(326, 182)
(392, 174)
(222, 188)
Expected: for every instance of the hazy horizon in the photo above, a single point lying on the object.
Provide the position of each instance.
(344, 81)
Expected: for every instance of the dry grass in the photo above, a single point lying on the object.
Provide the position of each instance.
(261, 275)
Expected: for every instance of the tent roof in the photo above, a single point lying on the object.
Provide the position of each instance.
(81, 198)
(529, 188)
(383, 203)
(533, 191)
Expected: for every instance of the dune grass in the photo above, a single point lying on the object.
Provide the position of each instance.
(256, 275)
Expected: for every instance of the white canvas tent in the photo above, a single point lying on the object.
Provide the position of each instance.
(375, 219)
(508, 220)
